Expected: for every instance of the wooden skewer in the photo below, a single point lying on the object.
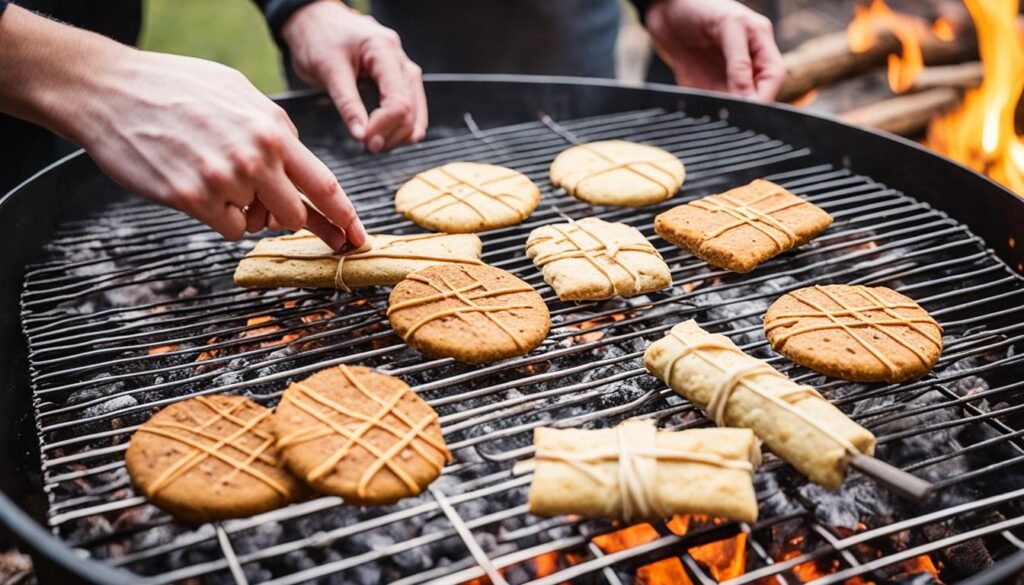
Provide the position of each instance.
(899, 482)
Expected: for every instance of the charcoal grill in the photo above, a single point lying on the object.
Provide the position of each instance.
(112, 307)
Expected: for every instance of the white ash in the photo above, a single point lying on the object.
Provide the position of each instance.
(109, 406)
(850, 505)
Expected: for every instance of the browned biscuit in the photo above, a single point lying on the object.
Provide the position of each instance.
(359, 434)
(858, 333)
(743, 227)
(474, 314)
(210, 458)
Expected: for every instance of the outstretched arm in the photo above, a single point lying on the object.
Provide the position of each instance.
(187, 133)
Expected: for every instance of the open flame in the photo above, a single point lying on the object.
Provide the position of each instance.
(980, 132)
(723, 559)
(862, 34)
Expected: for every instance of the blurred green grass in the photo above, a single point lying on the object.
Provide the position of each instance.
(229, 31)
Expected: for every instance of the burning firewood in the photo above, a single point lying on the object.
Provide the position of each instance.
(904, 114)
(841, 55)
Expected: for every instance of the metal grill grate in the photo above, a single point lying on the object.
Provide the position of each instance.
(135, 310)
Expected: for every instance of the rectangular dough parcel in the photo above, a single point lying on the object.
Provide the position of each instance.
(636, 472)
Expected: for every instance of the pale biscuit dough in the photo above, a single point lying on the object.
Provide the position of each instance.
(303, 260)
(697, 471)
(465, 197)
(592, 259)
(616, 172)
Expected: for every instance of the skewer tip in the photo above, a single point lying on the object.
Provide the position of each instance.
(901, 483)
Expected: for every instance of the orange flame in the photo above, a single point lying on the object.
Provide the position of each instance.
(980, 132)
(862, 34)
(724, 559)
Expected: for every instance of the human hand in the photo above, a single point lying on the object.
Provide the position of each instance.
(198, 137)
(717, 44)
(332, 47)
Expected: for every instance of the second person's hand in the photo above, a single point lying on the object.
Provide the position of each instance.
(332, 47)
(717, 44)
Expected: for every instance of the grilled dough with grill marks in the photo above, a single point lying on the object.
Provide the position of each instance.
(210, 458)
(858, 333)
(474, 314)
(743, 227)
(359, 434)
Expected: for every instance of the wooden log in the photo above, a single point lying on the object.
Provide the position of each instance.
(828, 58)
(960, 76)
(905, 114)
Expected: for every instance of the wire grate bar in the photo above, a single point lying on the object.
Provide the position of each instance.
(98, 373)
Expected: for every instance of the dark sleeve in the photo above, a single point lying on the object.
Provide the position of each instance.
(641, 8)
(276, 13)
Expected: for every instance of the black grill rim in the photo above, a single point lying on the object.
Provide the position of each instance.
(30, 212)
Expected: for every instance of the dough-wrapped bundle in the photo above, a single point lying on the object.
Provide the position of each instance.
(636, 472)
(736, 389)
(302, 259)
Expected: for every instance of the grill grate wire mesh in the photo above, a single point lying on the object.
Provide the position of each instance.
(135, 310)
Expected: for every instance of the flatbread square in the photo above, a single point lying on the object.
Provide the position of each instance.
(743, 227)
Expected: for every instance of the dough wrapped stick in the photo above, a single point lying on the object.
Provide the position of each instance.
(302, 259)
(736, 389)
(636, 472)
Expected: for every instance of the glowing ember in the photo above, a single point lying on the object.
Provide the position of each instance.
(666, 571)
(804, 100)
(546, 564)
(980, 132)
(162, 349)
(862, 34)
(588, 336)
(258, 320)
(811, 570)
(943, 30)
(918, 565)
(320, 315)
(210, 353)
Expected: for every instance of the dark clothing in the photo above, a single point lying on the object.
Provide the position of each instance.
(26, 148)
(539, 37)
